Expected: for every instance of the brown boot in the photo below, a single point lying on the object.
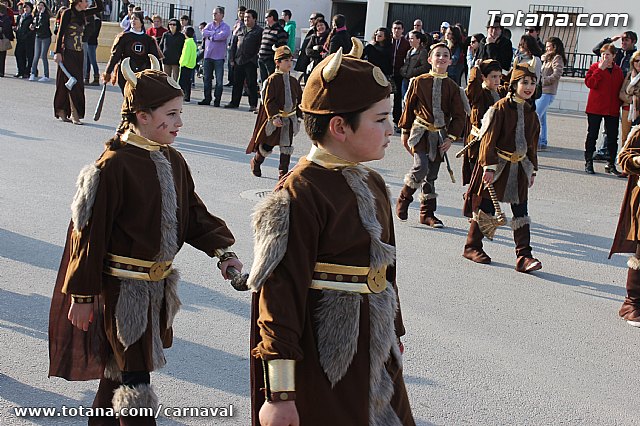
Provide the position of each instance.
(404, 200)
(255, 164)
(103, 399)
(427, 212)
(630, 309)
(473, 248)
(283, 168)
(75, 117)
(135, 398)
(96, 81)
(522, 237)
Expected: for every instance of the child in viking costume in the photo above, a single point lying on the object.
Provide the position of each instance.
(277, 121)
(326, 320)
(627, 238)
(434, 116)
(483, 90)
(508, 161)
(115, 297)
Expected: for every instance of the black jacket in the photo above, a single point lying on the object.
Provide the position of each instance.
(92, 30)
(340, 39)
(380, 56)
(171, 46)
(5, 24)
(23, 32)
(246, 45)
(43, 25)
(501, 51)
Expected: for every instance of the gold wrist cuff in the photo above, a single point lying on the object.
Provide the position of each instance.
(281, 375)
(491, 168)
(636, 160)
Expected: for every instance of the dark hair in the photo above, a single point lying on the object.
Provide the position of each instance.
(126, 121)
(419, 35)
(190, 32)
(487, 69)
(251, 12)
(28, 3)
(202, 24)
(633, 36)
(186, 18)
(398, 22)
(387, 36)
(287, 12)
(321, 20)
(496, 22)
(506, 32)
(531, 44)
(559, 46)
(140, 16)
(319, 15)
(457, 36)
(220, 9)
(479, 36)
(178, 24)
(242, 9)
(438, 45)
(316, 125)
(273, 14)
(339, 20)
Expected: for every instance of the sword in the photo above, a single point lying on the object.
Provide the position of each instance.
(443, 136)
(238, 280)
(98, 112)
(467, 147)
(71, 79)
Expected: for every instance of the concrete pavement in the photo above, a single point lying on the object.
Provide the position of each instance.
(485, 345)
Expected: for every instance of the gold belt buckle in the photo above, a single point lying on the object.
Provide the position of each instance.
(377, 280)
(514, 157)
(156, 271)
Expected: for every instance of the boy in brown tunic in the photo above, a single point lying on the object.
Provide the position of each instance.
(434, 116)
(627, 238)
(483, 90)
(507, 159)
(277, 121)
(116, 292)
(326, 319)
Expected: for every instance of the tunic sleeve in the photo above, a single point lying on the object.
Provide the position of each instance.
(64, 24)
(408, 114)
(487, 155)
(474, 86)
(283, 297)
(532, 139)
(630, 150)
(117, 51)
(90, 244)
(271, 92)
(457, 111)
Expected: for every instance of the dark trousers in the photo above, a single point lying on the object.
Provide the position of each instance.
(210, 67)
(24, 55)
(518, 210)
(3, 59)
(185, 82)
(611, 129)
(267, 67)
(397, 98)
(248, 72)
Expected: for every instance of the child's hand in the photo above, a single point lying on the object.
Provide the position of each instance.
(278, 122)
(81, 315)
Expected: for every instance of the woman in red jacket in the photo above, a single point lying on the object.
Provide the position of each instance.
(604, 80)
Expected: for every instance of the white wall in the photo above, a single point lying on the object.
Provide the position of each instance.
(587, 38)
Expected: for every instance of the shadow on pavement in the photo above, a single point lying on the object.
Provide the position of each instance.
(194, 296)
(17, 309)
(10, 134)
(29, 250)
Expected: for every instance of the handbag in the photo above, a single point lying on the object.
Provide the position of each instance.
(5, 44)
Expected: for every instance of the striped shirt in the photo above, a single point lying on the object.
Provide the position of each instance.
(274, 35)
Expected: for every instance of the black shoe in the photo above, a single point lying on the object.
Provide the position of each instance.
(231, 106)
(600, 157)
(611, 168)
(588, 167)
(18, 75)
(216, 104)
(228, 84)
(204, 102)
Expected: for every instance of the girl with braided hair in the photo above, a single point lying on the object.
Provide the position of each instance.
(116, 293)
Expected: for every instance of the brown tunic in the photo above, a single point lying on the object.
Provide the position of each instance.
(69, 44)
(419, 103)
(126, 220)
(274, 101)
(501, 131)
(137, 47)
(325, 226)
(628, 231)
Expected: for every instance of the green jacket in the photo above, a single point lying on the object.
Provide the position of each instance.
(290, 28)
(189, 52)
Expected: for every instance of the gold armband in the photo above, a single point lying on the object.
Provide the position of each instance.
(453, 138)
(81, 299)
(490, 168)
(280, 380)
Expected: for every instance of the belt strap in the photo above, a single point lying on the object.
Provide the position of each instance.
(353, 279)
(138, 269)
(285, 114)
(426, 125)
(512, 157)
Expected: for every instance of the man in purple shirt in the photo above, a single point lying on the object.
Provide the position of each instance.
(215, 36)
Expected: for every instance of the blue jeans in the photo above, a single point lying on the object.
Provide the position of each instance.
(90, 60)
(211, 66)
(41, 52)
(542, 105)
(405, 87)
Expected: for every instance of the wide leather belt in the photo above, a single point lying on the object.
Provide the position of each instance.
(426, 125)
(137, 269)
(512, 157)
(354, 279)
(285, 114)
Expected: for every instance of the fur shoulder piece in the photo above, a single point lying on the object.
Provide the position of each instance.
(86, 187)
(486, 121)
(465, 101)
(270, 221)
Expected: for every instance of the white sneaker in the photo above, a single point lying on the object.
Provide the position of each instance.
(32, 77)
(44, 79)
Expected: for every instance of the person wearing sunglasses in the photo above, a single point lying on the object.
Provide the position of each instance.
(534, 32)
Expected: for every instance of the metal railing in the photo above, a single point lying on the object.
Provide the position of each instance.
(578, 64)
(152, 7)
